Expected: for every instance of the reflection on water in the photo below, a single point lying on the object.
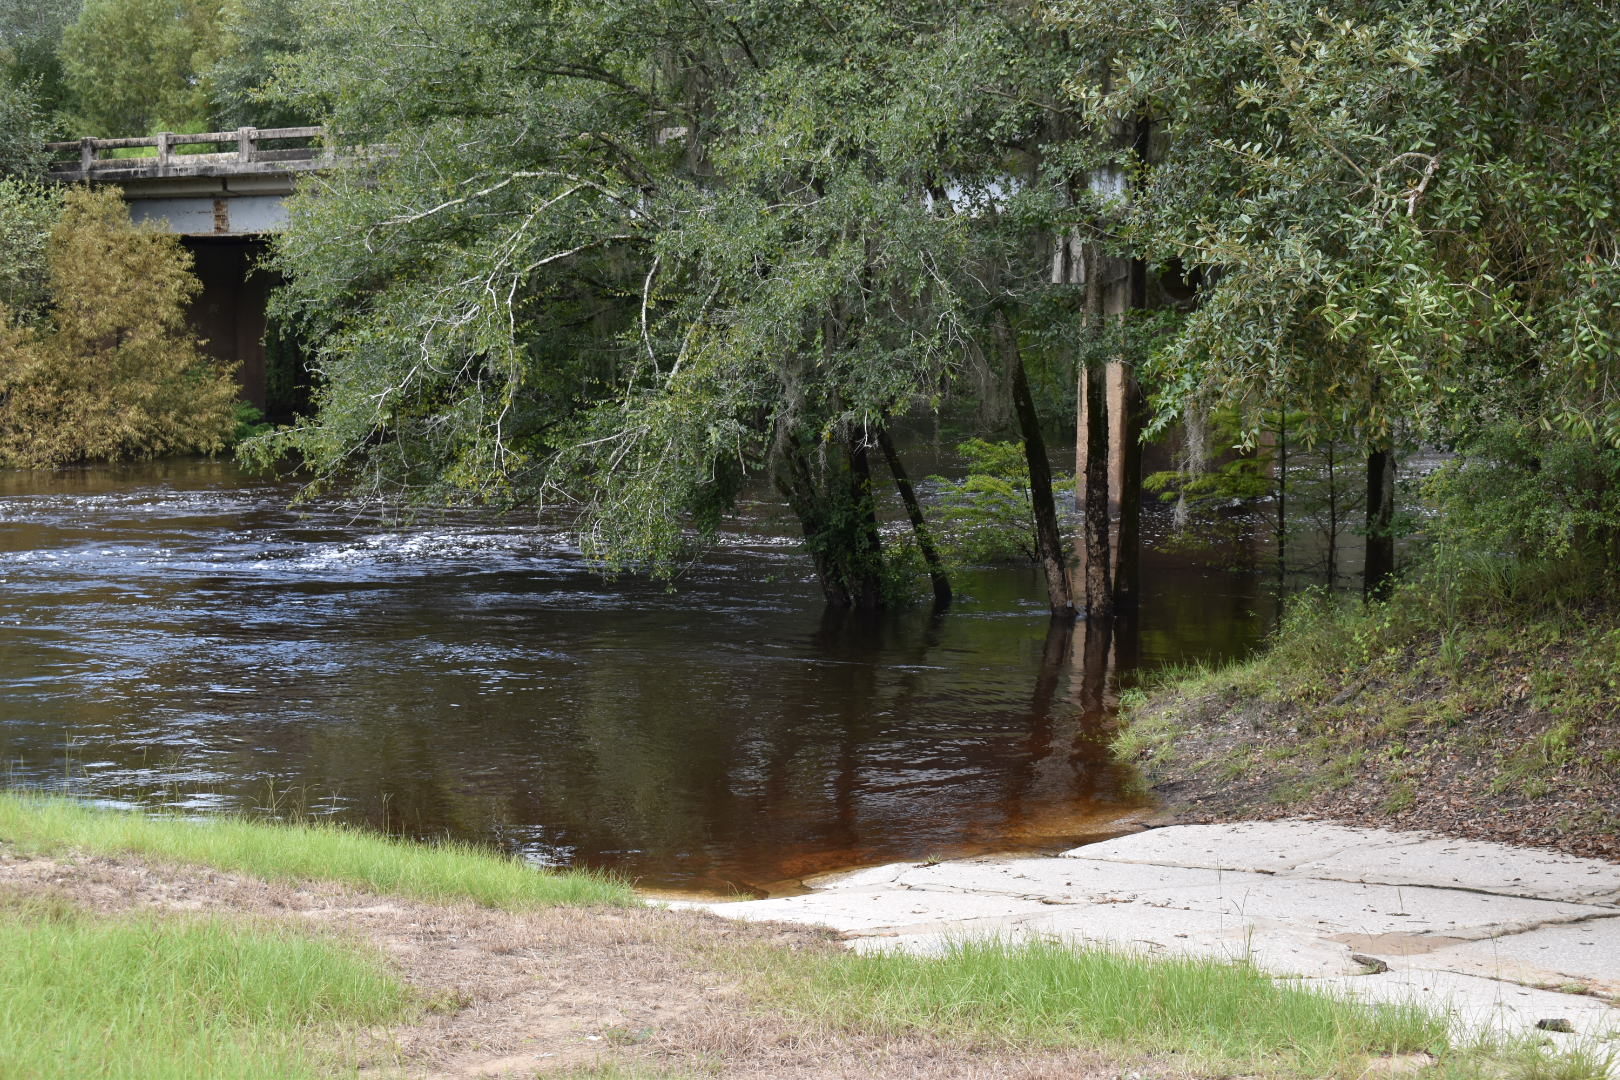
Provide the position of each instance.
(173, 634)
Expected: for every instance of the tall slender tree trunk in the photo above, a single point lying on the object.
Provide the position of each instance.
(1379, 568)
(1128, 557)
(1099, 564)
(1048, 539)
(925, 539)
(1282, 500)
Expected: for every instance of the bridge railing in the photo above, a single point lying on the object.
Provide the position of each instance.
(247, 153)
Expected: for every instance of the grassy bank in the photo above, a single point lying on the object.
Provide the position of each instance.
(1212, 1016)
(103, 976)
(1487, 706)
(150, 997)
(444, 872)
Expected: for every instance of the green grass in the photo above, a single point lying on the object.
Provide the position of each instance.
(144, 997)
(1438, 664)
(1211, 1016)
(1213, 1013)
(435, 872)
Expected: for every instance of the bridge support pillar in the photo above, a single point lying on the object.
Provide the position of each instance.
(229, 312)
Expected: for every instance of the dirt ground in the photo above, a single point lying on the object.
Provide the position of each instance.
(1236, 758)
(563, 992)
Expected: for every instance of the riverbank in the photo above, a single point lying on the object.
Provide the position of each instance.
(1474, 716)
(539, 983)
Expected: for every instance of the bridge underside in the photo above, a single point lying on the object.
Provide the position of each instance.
(222, 206)
(230, 311)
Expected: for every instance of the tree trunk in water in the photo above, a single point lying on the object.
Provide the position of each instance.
(1048, 540)
(1380, 565)
(1099, 565)
(1128, 561)
(1099, 576)
(1128, 556)
(866, 558)
(841, 535)
(925, 541)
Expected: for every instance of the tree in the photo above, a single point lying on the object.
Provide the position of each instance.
(1401, 211)
(254, 37)
(136, 66)
(28, 212)
(628, 255)
(112, 372)
(30, 37)
(22, 129)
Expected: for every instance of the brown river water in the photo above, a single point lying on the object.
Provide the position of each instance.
(174, 635)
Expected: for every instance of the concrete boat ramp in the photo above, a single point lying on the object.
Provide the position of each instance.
(1506, 938)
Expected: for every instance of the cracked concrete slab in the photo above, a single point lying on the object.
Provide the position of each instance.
(1342, 907)
(1267, 847)
(1466, 864)
(1479, 1004)
(1072, 880)
(1462, 923)
(1585, 955)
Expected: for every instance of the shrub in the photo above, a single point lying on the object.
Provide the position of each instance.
(113, 372)
(28, 212)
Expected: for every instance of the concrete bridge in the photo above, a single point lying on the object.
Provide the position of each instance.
(221, 192)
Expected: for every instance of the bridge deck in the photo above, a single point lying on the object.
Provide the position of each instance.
(235, 193)
(298, 150)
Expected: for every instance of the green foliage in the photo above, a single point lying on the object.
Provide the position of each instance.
(1230, 473)
(640, 251)
(135, 66)
(254, 36)
(1524, 495)
(149, 997)
(1219, 1015)
(988, 516)
(22, 127)
(28, 213)
(443, 873)
(249, 422)
(30, 36)
(1400, 211)
(113, 372)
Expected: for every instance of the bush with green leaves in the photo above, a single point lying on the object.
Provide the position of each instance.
(1521, 494)
(988, 515)
(28, 212)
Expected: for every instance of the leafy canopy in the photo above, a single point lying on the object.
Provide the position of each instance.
(1400, 210)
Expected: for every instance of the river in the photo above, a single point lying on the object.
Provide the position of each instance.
(175, 635)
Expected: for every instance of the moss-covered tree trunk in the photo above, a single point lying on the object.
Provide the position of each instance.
(833, 503)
